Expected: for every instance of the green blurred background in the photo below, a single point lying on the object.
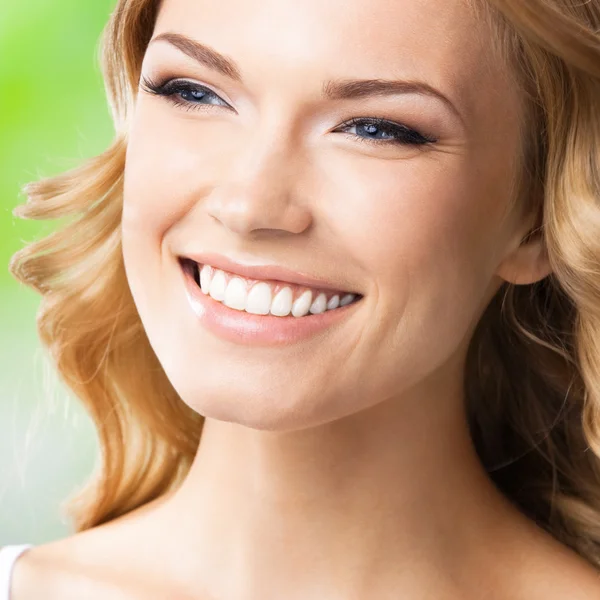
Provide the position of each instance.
(53, 114)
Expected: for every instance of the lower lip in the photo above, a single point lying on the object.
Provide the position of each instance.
(244, 328)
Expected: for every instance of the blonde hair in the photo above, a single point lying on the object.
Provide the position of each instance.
(533, 369)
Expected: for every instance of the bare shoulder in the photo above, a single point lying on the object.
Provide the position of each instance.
(556, 572)
(27, 577)
(52, 571)
(89, 565)
(103, 562)
(574, 580)
(98, 563)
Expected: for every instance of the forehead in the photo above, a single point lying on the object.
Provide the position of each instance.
(440, 41)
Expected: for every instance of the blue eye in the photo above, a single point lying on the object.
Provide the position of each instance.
(183, 93)
(394, 133)
(193, 96)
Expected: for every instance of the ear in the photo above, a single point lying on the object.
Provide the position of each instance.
(528, 263)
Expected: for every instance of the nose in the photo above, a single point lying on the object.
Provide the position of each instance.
(260, 192)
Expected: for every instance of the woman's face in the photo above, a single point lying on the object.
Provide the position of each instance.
(260, 164)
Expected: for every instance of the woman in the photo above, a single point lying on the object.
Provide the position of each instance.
(332, 299)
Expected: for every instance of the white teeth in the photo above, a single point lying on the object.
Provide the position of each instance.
(259, 299)
(302, 304)
(235, 294)
(334, 302)
(217, 285)
(319, 305)
(205, 273)
(347, 299)
(282, 303)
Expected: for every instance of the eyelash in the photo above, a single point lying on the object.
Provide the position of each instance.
(173, 89)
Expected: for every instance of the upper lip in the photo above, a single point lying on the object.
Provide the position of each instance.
(262, 271)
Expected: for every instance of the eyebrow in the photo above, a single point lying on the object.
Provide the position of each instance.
(337, 89)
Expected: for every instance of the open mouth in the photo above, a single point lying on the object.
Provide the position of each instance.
(265, 297)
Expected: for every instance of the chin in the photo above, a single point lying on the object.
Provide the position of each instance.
(262, 419)
(255, 412)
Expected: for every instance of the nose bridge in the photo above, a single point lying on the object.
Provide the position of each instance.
(259, 187)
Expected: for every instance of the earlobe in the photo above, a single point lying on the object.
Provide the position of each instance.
(527, 264)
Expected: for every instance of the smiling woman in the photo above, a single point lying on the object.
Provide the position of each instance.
(332, 300)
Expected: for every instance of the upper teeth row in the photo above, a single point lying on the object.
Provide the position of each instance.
(263, 298)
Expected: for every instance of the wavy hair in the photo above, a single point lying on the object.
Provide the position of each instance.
(532, 377)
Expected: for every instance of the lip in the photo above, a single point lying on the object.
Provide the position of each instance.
(240, 327)
(266, 272)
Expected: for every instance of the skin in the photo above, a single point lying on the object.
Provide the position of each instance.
(340, 467)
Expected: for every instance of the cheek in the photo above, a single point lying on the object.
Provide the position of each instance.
(424, 234)
(149, 210)
(161, 171)
(415, 218)
(157, 174)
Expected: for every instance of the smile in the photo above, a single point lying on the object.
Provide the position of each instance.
(266, 297)
(246, 310)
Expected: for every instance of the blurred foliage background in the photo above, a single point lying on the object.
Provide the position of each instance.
(53, 114)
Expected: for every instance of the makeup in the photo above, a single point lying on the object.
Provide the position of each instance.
(244, 328)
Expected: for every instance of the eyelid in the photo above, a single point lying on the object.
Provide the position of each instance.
(148, 83)
(170, 89)
(389, 125)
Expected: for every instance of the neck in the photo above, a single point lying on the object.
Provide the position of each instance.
(390, 496)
